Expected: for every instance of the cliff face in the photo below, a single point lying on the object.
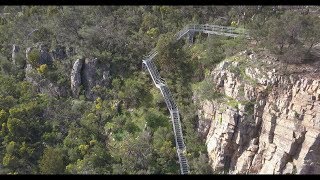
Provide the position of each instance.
(264, 121)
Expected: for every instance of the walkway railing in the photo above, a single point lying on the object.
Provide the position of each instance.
(161, 84)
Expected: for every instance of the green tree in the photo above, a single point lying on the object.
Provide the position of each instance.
(156, 119)
(34, 57)
(310, 31)
(164, 146)
(133, 154)
(51, 161)
(166, 53)
(200, 165)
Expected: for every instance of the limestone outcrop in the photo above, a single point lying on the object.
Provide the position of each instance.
(265, 122)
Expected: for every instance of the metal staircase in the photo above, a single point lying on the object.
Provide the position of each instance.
(174, 112)
(161, 84)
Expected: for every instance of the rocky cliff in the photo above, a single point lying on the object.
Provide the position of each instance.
(263, 118)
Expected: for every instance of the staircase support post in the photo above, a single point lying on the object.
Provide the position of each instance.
(190, 37)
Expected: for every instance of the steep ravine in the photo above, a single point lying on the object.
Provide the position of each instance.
(264, 121)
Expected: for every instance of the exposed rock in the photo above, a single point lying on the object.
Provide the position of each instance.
(18, 58)
(88, 72)
(28, 50)
(15, 49)
(89, 76)
(59, 53)
(42, 84)
(28, 72)
(278, 134)
(71, 52)
(94, 74)
(76, 77)
(45, 56)
(204, 125)
(289, 168)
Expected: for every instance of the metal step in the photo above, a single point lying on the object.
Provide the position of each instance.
(161, 84)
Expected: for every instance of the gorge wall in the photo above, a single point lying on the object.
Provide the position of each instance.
(262, 119)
